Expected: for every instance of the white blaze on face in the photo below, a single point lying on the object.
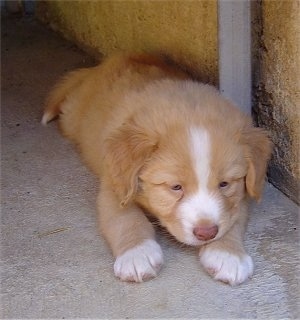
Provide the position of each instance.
(203, 204)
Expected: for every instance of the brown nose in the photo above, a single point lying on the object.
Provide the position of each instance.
(205, 233)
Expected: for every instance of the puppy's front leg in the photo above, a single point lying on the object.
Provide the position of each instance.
(226, 259)
(131, 238)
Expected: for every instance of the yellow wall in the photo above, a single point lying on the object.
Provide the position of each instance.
(185, 30)
(278, 107)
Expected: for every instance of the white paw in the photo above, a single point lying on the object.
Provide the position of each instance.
(139, 263)
(225, 266)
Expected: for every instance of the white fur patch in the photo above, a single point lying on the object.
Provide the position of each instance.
(226, 267)
(201, 154)
(46, 118)
(203, 204)
(139, 263)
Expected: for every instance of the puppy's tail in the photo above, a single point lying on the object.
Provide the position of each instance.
(67, 85)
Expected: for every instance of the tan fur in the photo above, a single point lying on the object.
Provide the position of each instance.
(129, 118)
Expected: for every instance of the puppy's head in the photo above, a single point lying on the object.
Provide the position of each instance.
(195, 177)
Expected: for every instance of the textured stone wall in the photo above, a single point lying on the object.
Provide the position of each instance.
(184, 30)
(277, 88)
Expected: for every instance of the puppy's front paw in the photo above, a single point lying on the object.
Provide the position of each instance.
(139, 263)
(225, 266)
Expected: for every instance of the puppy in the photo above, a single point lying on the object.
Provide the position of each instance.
(164, 145)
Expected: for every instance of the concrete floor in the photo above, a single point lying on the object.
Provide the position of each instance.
(54, 264)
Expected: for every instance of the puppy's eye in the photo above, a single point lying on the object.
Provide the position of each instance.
(223, 184)
(176, 187)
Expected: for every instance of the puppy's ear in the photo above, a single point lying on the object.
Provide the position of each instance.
(258, 149)
(126, 151)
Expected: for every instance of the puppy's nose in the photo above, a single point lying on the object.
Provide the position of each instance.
(205, 233)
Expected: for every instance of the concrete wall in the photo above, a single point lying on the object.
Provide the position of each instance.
(277, 88)
(184, 30)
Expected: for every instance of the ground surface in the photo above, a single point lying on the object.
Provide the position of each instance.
(54, 264)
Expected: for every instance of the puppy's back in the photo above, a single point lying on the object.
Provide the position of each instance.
(88, 101)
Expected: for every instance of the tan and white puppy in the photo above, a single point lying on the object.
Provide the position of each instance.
(165, 145)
